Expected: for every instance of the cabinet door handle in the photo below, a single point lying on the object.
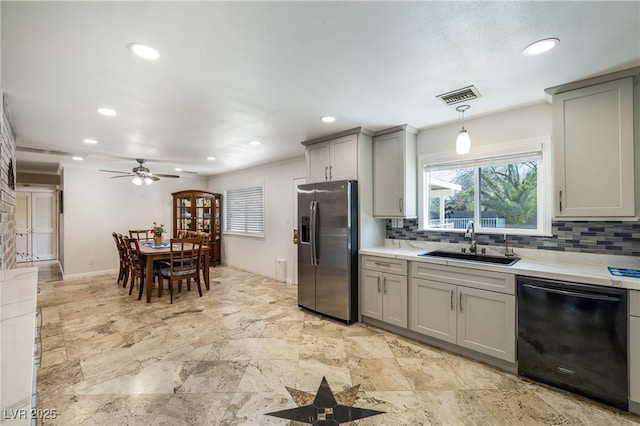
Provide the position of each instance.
(325, 173)
(460, 302)
(452, 307)
(384, 280)
(386, 265)
(330, 172)
(378, 283)
(400, 202)
(560, 198)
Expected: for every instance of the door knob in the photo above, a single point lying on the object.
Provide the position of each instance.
(295, 236)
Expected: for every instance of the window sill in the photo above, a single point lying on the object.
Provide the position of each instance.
(244, 234)
(524, 232)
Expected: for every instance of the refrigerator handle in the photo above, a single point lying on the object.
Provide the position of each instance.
(313, 207)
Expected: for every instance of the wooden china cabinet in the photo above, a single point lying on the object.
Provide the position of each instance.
(200, 211)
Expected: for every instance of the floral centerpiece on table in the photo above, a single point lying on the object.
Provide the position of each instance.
(158, 230)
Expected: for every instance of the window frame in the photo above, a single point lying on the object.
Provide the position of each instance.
(497, 154)
(260, 209)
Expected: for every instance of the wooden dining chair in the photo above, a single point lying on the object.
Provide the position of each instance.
(206, 239)
(184, 264)
(121, 257)
(127, 265)
(137, 266)
(123, 272)
(141, 234)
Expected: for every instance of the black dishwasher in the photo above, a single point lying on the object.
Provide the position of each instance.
(574, 336)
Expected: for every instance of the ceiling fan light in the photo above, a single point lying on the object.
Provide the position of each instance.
(137, 180)
(148, 180)
(463, 143)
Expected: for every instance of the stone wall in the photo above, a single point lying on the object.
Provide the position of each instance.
(7, 191)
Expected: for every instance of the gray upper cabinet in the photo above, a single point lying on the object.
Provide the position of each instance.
(394, 173)
(335, 159)
(594, 151)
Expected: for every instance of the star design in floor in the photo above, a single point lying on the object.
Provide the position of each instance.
(323, 407)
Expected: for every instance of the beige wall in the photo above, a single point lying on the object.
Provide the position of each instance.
(512, 125)
(95, 206)
(258, 255)
(38, 179)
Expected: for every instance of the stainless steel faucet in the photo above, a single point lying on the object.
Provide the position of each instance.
(508, 251)
(470, 232)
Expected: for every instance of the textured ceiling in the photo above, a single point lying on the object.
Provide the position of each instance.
(233, 72)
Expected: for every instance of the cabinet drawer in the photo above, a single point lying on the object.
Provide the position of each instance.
(476, 278)
(634, 303)
(384, 264)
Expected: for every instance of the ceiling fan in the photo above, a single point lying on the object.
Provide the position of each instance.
(141, 174)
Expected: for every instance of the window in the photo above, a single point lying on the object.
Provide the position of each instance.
(244, 211)
(499, 193)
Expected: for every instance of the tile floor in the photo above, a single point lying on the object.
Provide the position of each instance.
(227, 358)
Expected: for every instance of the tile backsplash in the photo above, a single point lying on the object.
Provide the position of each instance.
(619, 238)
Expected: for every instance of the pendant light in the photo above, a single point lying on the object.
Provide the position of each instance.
(463, 143)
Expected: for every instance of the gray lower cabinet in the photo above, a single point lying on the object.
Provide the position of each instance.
(433, 311)
(384, 294)
(473, 318)
(634, 351)
(487, 322)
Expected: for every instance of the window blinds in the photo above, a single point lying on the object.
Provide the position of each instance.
(244, 210)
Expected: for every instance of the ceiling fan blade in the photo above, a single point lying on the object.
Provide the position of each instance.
(113, 177)
(165, 176)
(112, 171)
(153, 178)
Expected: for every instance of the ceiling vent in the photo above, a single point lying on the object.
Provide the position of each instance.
(460, 95)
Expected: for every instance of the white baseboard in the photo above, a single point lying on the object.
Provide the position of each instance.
(88, 274)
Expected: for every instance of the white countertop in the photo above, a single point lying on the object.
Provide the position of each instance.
(566, 266)
(18, 288)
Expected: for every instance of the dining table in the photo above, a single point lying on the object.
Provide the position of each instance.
(151, 253)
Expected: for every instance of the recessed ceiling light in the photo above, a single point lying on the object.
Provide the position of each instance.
(255, 143)
(90, 141)
(328, 119)
(540, 46)
(107, 111)
(178, 169)
(77, 158)
(143, 51)
(211, 158)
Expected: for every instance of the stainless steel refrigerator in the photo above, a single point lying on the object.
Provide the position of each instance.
(328, 248)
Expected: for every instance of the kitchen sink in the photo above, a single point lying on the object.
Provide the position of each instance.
(482, 258)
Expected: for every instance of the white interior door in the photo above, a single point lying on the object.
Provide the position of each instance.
(43, 225)
(296, 182)
(23, 226)
(36, 225)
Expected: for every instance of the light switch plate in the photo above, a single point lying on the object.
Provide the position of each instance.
(397, 223)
